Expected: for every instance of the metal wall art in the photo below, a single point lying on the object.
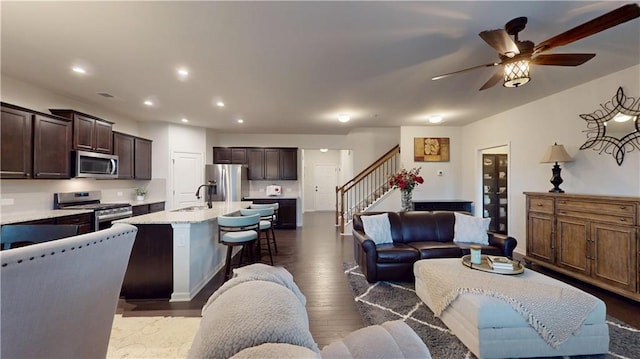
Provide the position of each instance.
(614, 129)
(431, 149)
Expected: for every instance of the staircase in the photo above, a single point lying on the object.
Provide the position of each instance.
(366, 188)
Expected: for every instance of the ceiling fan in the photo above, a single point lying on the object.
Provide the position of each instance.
(515, 55)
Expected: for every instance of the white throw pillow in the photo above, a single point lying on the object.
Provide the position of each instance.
(470, 229)
(378, 228)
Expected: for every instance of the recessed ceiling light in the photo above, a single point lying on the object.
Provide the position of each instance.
(220, 104)
(79, 70)
(184, 120)
(343, 117)
(148, 102)
(240, 120)
(183, 72)
(435, 119)
(323, 150)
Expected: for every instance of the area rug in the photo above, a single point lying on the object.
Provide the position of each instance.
(151, 337)
(385, 301)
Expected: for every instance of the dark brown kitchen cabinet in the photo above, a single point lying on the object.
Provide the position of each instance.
(123, 148)
(272, 163)
(16, 140)
(83, 221)
(140, 209)
(142, 155)
(255, 161)
(230, 155)
(89, 133)
(51, 146)
(287, 211)
(289, 164)
(134, 156)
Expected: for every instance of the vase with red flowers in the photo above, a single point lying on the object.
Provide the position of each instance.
(406, 181)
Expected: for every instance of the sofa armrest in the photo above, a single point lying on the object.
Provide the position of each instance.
(365, 252)
(508, 244)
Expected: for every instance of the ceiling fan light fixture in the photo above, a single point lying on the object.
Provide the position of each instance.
(516, 73)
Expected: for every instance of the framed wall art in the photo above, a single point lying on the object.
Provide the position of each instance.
(431, 149)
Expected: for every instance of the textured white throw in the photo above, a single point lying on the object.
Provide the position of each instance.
(554, 312)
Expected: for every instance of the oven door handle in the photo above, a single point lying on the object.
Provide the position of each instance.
(114, 216)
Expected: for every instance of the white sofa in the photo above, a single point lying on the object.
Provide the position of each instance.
(59, 298)
(260, 313)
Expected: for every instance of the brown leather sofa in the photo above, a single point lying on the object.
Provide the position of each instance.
(416, 235)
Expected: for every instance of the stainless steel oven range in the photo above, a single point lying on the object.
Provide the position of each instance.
(103, 213)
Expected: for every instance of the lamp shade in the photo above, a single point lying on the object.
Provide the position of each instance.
(556, 153)
(516, 73)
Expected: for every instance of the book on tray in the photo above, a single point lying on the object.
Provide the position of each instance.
(497, 262)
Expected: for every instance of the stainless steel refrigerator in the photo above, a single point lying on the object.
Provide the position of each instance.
(231, 182)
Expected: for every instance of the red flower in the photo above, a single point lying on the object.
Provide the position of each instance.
(406, 180)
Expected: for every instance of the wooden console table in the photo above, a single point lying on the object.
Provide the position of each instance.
(590, 238)
(443, 205)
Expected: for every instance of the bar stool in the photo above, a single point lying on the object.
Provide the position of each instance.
(266, 226)
(275, 207)
(237, 231)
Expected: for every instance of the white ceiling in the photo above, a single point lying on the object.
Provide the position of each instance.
(291, 67)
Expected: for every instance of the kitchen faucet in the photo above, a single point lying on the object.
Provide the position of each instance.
(212, 189)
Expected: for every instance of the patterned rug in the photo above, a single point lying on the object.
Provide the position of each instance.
(151, 337)
(385, 301)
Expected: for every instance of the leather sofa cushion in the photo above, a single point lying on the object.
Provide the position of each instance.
(427, 226)
(397, 253)
(437, 250)
(490, 250)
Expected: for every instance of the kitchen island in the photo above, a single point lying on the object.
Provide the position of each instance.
(176, 252)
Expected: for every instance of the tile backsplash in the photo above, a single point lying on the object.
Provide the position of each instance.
(289, 188)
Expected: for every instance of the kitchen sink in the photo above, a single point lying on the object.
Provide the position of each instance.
(191, 209)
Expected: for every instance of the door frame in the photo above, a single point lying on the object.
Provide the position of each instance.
(171, 197)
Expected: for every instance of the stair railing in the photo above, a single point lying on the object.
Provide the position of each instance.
(366, 187)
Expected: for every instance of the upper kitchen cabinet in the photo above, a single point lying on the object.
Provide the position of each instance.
(89, 133)
(134, 156)
(15, 138)
(142, 153)
(273, 163)
(230, 155)
(289, 164)
(51, 139)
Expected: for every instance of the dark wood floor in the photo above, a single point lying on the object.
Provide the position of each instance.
(314, 254)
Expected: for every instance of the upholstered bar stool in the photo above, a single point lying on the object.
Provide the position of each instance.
(266, 226)
(275, 207)
(237, 231)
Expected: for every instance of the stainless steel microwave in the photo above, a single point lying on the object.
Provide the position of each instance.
(94, 165)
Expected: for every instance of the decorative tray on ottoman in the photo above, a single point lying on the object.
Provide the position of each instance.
(485, 266)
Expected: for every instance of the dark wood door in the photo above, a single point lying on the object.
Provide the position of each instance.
(83, 130)
(142, 162)
(287, 214)
(222, 155)
(573, 244)
(15, 138)
(271, 164)
(614, 254)
(289, 164)
(255, 160)
(51, 147)
(123, 148)
(239, 156)
(103, 141)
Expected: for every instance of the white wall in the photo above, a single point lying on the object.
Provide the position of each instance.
(446, 186)
(529, 129)
(368, 144)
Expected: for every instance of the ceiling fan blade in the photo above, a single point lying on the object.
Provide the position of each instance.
(500, 40)
(601, 23)
(492, 81)
(562, 59)
(465, 70)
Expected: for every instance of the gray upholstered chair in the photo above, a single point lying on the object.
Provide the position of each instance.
(59, 297)
(237, 231)
(266, 226)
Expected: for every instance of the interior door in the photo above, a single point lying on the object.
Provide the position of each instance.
(495, 194)
(325, 182)
(187, 176)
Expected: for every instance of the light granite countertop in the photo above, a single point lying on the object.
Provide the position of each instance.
(17, 217)
(270, 197)
(197, 216)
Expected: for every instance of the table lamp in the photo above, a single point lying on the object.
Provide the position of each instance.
(556, 153)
